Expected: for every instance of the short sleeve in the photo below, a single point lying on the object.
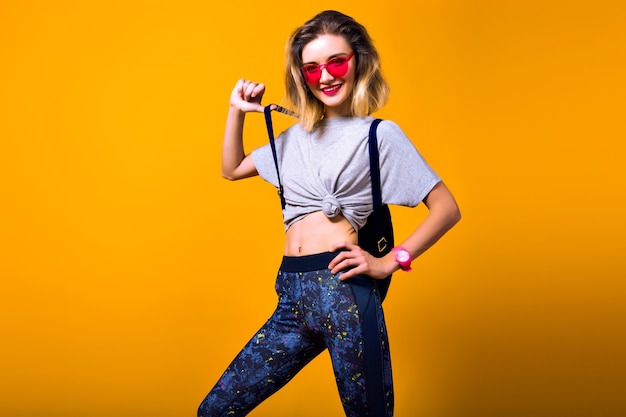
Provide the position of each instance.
(264, 162)
(406, 177)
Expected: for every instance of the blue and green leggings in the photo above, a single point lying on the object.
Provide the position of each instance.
(316, 311)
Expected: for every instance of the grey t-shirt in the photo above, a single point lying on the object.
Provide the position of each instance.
(328, 169)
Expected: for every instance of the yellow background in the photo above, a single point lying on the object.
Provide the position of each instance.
(131, 273)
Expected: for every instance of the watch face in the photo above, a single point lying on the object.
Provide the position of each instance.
(403, 256)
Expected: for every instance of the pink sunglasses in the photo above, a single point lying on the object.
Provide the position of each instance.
(337, 67)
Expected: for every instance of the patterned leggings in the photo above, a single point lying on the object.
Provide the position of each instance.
(316, 311)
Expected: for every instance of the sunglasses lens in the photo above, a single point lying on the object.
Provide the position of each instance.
(312, 73)
(337, 67)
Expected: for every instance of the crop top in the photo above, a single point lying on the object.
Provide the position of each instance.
(328, 169)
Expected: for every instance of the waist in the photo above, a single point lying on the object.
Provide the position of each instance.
(316, 233)
(313, 262)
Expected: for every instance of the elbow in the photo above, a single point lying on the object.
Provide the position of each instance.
(454, 216)
(450, 215)
(234, 171)
(453, 213)
(452, 210)
(230, 173)
(228, 176)
(234, 175)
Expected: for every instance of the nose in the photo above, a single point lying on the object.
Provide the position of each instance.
(325, 76)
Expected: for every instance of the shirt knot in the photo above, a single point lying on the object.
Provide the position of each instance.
(331, 206)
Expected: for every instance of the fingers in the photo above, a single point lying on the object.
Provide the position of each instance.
(350, 273)
(350, 262)
(251, 91)
(344, 247)
(247, 95)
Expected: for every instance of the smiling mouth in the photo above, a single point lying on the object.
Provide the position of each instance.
(329, 91)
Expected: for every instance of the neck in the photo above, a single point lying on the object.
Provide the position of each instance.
(341, 111)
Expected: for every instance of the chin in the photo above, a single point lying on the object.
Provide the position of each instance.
(334, 102)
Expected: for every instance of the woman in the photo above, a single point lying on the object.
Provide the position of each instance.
(334, 82)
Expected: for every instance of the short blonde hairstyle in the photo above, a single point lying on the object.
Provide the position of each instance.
(370, 91)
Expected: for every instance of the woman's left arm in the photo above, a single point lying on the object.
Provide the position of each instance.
(443, 213)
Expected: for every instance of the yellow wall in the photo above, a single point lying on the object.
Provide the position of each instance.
(132, 273)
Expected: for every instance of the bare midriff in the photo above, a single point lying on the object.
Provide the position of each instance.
(316, 233)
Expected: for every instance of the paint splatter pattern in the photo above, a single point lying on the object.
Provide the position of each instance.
(315, 311)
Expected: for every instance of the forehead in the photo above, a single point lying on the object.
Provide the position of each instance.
(323, 47)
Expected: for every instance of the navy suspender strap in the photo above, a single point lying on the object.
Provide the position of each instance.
(374, 165)
(270, 132)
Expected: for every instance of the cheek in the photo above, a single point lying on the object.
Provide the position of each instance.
(316, 93)
(351, 76)
(350, 81)
(352, 70)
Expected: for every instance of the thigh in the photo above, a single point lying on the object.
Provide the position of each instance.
(272, 357)
(359, 350)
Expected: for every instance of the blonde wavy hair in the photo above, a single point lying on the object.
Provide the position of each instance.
(370, 91)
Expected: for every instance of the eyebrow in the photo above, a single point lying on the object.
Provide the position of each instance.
(338, 54)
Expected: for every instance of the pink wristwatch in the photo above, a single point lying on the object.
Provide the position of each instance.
(403, 258)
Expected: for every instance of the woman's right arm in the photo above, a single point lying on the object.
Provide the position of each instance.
(246, 97)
